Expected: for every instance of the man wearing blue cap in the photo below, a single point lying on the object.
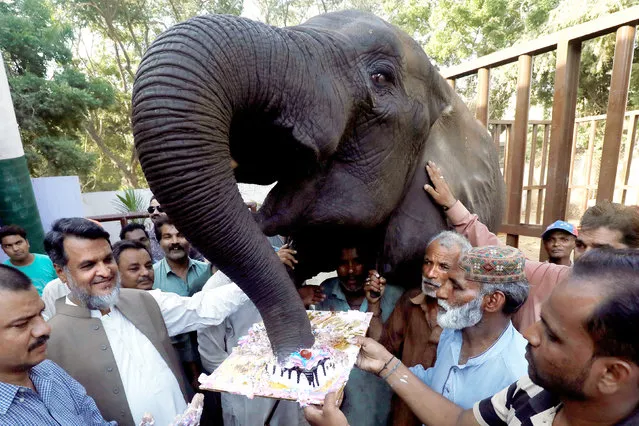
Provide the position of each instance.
(559, 242)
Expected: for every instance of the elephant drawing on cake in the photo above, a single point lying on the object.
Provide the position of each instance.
(343, 112)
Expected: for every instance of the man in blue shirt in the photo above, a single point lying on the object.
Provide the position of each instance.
(367, 398)
(177, 271)
(38, 267)
(479, 351)
(34, 391)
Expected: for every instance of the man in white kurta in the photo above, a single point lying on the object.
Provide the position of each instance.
(114, 341)
(148, 382)
(54, 290)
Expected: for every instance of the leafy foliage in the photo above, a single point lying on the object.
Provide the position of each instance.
(30, 38)
(454, 30)
(50, 111)
(117, 33)
(130, 201)
(596, 58)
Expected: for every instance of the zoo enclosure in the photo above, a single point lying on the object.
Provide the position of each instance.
(560, 136)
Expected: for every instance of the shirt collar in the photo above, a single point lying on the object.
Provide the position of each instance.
(8, 391)
(337, 292)
(167, 268)
(7, 395)
(95, 313)
(504, 341)
(497, 347)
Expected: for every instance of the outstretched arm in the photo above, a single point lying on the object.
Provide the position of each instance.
(430, 407)
(465, 223)
(374, 289)
(542, 277)
(203, 309)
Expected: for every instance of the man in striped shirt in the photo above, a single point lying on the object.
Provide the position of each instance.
(583, 358)
(34, 391)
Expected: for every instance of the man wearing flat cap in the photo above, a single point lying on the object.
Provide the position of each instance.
(479, 351)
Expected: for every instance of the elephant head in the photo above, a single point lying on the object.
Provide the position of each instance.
(342, 112)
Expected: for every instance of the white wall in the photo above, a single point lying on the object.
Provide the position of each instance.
(10, 142)
(57, 197)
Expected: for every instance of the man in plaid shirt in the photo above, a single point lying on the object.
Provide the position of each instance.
(34, 391)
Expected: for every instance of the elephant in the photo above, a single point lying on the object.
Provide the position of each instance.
(343, 112)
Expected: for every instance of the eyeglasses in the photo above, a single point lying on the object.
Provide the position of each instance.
(151, 209)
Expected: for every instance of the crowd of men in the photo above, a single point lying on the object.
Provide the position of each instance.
(96, 333)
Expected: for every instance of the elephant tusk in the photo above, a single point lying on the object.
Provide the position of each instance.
(234, 164)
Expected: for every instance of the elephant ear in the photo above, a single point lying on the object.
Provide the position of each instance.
(465, 152)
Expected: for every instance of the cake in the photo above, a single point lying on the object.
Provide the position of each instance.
(307, 368)
(306, 375)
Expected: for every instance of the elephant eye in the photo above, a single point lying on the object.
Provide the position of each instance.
(380, 78)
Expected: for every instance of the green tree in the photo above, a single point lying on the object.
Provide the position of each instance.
(452, 31)
(596, 58)
(51, 97)
(471, 28)
(294, 12)
(410, 15)
(115, 35)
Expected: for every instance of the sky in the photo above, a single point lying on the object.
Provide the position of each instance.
(250, 10)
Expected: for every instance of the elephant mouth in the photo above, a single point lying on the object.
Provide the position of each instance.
(266, 151)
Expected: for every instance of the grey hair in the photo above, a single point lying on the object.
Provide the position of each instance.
(450, 239)
(516, 294)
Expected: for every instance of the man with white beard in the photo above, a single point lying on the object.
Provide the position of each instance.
(411, 332)
(115, 341)
(479, 351)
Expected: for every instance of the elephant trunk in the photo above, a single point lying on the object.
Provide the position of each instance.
(191, 84)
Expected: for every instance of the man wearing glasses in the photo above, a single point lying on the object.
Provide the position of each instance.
(155, 212)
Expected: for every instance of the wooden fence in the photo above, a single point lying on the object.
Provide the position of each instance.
(558, 135)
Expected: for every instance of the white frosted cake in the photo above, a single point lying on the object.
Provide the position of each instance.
(306, 375)
(307, 368)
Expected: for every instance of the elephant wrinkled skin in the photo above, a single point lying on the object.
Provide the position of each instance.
(342, 112)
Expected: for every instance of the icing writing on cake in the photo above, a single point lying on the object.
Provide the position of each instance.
(305, 363)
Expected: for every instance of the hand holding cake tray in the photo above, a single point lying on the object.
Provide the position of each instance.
(308, 375)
